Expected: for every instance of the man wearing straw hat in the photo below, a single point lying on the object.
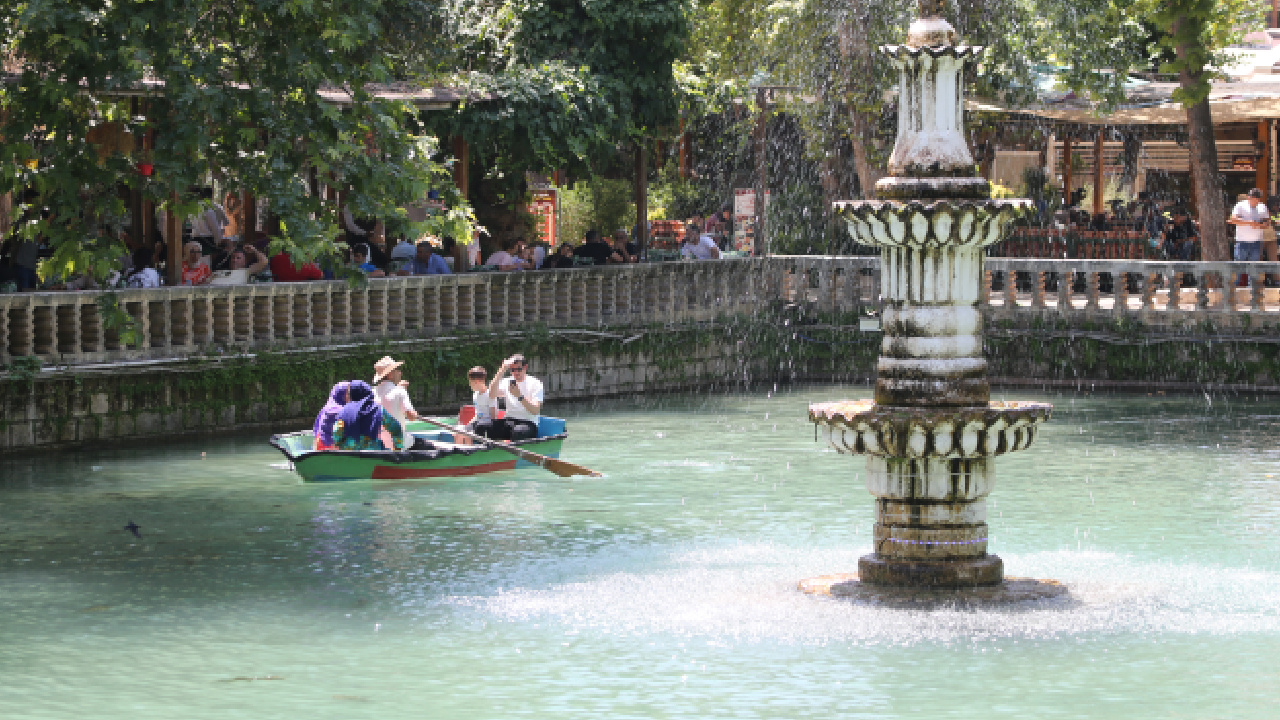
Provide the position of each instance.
(397, 409)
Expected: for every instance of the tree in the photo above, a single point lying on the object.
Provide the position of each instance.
(1105, 40)
(229, 90)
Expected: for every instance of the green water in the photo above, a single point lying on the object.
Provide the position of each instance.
(664, 590)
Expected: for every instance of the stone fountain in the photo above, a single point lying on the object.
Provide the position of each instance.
(932, 432)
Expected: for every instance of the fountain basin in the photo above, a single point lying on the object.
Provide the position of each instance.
(947, 222)
(863, 427)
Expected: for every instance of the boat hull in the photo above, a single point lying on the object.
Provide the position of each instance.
(441, 460)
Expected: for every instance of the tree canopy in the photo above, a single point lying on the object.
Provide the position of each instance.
(202, 88)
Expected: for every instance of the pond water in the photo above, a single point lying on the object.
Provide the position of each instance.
(665, 589)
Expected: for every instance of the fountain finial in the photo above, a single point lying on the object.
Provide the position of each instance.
(931, 29)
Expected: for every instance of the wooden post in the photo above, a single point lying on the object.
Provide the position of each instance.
(684, 152)
(1066, 170)
(1098, 205)
(642, 198)
(1262, 181)
(250, 203)
(173, 241)
(461, 153)
(762, 167)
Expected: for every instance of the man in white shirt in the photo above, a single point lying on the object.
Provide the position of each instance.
(504, 260)
(1250, 217)
(698, 246)
(397, 409)
(523, 395)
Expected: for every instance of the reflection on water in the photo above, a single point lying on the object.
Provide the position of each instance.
(665, 589)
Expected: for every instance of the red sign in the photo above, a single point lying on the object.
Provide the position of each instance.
(543, 206)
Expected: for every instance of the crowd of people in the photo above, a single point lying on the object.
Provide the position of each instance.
(1172, 228)
(374, 416)
(217, 249)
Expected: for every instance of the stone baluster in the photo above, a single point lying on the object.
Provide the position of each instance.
(1120, 290)
(282, 312)
(6, 338)
(1092, 289)
(548, 294)
(1256, 289)
(431, 320)
(498, 299)
(92, 333)
(158, 310)
(377, 307)
(448, 299)
(466, 305)
(394, 318)
(358, 311)
(202, 317)
(1202, 289)
(1146, 290)
(68, 330)
(591, 299)
(320, 318)
(988, 286)
(302, 312)
(622, 308)
(525, 300)
(1038, 292)
(340, 311)
(1010, 291)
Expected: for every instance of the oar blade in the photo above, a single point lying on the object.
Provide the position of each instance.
(564, 468)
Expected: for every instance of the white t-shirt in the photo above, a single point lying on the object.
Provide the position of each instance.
(704, 250)
(1243, 211)
(395, 401)
(484, 407)
(500, 258)
(144, 278)
(531, 389)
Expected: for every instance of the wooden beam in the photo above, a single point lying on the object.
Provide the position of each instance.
(1098, 205)
(173, 242)
(1066, 170)
(250, 203)
(461, 153)
(762, 168)
(642, 197)
(1262, 180)
(684, 152)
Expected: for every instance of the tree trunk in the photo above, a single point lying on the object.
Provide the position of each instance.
(868, 173)
(1208, 182)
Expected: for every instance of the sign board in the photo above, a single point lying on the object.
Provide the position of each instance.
(1242, 162)
(543, 207)
(744, 217)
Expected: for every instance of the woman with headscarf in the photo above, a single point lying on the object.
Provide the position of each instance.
(323, 428)
(359, 421)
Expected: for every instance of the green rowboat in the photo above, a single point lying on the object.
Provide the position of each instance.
(435, 455)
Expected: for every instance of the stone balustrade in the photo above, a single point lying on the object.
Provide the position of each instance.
(67, 328)
(1153, 292)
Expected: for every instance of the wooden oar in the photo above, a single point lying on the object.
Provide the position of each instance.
(563, 468)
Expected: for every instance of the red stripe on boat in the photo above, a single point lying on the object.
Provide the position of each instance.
(391, 472)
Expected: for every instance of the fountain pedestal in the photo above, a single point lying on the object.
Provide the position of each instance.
(932, 433)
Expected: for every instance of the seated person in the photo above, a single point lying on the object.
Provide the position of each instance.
(195, 268)
(504, 259)
(1180, 237)
(322, 429)
(403, 251)
(697, 246)
(523, 395)
(561, 259)
(142, 275)
(451, 249)
(426, 262)
(239, 260)
(359, 422)
(360, 260)
(283, 269)
(477, 378)
(627, 250)
(597, 249)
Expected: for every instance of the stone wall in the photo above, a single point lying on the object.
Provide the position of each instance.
(143, 401)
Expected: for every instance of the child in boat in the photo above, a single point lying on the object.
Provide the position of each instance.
(359, 422)
(477, 377)
(322, 430)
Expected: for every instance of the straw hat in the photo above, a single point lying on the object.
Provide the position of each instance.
(383, 368)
